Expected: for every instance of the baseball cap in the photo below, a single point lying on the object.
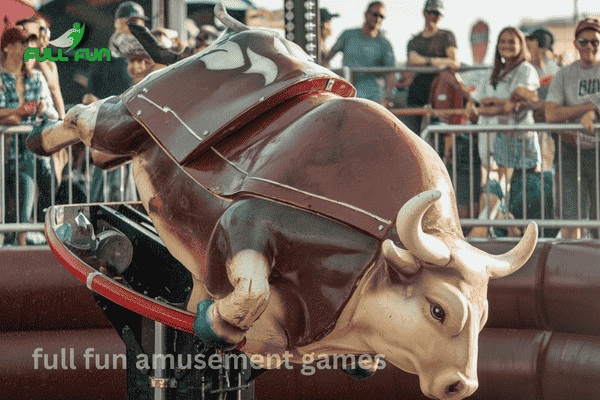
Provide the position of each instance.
(588, 23)
(543, 37)
(326, 15)
(130, 9)
(124, 44)
(434, 5)
(14, 35)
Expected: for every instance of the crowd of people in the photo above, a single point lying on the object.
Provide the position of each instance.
(525, 85)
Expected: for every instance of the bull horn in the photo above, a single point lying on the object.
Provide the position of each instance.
(510, 262)
(228, 20)
(155, 50)
(408, 224)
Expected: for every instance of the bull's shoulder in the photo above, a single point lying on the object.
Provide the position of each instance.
(278, 230)
(354, 157)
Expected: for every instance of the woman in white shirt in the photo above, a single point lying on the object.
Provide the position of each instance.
(509, 91)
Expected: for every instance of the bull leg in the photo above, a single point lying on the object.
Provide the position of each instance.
(108, 161)
(78, 125)
(224, 323)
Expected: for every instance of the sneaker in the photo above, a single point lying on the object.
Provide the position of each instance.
(35, 238)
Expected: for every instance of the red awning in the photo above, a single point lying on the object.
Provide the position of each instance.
(15, 10)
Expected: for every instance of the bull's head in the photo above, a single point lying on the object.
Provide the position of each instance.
(425, 315)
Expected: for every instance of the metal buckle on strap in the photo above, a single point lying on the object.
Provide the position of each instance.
(163, 383)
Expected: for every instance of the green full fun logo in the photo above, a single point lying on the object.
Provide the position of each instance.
(70, 39)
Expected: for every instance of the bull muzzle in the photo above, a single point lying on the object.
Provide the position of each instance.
(433, 250)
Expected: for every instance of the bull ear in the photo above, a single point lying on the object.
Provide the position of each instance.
(401, 260)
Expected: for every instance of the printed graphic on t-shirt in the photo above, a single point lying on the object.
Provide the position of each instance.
(588, 87)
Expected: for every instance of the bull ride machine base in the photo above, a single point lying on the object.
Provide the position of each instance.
(163, 363)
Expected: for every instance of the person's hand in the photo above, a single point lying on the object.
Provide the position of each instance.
(525, 95)
(41, 109)
(471, 112)
(508, 106)
(25, 109)
(445, 63)
(588, 121)
(387, 103)
(504, 106)
(11, 120)
(406, 79)
(88, 98)
(447, 158)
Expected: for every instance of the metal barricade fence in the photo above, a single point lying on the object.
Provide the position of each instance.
(21, 179)
(348, 73)
(561, 130)
(558, 221)
(11, 192)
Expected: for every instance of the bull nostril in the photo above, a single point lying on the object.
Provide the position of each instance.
(454, 388)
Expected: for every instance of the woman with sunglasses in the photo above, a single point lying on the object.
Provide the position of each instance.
(574, 96)
(37, 28)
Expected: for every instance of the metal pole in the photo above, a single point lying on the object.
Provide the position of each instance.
(160, 341)
(3, 177)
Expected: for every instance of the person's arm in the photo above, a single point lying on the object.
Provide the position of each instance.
(390, 79)
(451, 60)
(20, 111)
(555, 109)
(46, 104)
(51, 74)
(337, 47)
(557, 113)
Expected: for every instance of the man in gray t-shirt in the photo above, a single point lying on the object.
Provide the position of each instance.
(367, 47)
(574, 96)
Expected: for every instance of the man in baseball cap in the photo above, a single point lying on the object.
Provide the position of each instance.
(434, 6)
(544, 38)
(588, 23)
(325, 32)
(540, 43)
(130, 10)
(574, 96)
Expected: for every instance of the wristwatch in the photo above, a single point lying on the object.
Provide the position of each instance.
(428, 61)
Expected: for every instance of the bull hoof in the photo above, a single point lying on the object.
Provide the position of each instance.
(358, 372)
(205, 332)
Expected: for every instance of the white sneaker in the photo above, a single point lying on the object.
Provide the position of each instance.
(35, 238)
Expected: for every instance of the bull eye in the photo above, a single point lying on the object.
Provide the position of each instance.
(437, 312)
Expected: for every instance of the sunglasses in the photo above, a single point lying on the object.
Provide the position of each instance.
(436, 13)
(31, 38)
(584, 42)
(377, 15)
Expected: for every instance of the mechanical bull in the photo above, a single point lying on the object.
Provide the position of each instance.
(312, 222)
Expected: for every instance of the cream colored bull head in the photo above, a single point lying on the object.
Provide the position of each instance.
(427, 317)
